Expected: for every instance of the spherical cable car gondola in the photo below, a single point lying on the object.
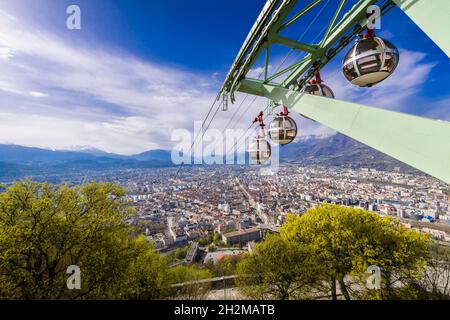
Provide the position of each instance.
(282, 129)
(316, 87)
(259, 148)
(371, 60)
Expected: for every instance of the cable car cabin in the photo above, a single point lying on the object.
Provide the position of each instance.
(370, 61)
(282, 130)
(259, 150)
(316, 87)
(319, 89)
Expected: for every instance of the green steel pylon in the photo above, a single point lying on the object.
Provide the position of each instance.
(420, 142)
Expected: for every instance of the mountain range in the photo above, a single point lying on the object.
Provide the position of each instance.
(337, 150)
(19, 161)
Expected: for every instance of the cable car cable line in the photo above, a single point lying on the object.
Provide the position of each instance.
(300, 38)
(251, 103)
(283, 128)
(198, 134)
(202, 132)
(283, 61)
(419, 141)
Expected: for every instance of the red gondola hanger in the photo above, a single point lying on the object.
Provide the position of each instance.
(318, 78)
(259, 118)
(285, 112)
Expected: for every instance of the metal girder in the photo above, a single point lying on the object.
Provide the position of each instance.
(256, 29)
(266, 32)
(299, 15)
(333, 21)
(295, 44)
(270, 20)
(355, 15)
(266, 63)
(419, 142)
(432, 16)
(280, 73)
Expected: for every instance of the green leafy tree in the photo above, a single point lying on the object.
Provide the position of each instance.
(44, 229)
(328, 250)
(435, 283)
(190, 277)
(347, 241)
(180, 253)
(225, 267)
(147, 276)
(278, 269)
(205, 241)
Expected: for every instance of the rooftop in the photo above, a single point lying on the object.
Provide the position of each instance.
(241, 232)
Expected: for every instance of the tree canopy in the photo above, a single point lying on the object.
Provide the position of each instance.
(45, 228)
(337, 245)
(325, 252)
(278, 269)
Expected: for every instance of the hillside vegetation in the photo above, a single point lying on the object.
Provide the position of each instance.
(46, 228)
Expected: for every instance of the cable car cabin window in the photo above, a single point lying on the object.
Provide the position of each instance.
(313, 89)
(277, 122)
(379, 44)
(390, 62)
(367, 45)
(349, 54)
(317, 91)
(289, 126)
(370, 63)
(291, 134)
(350, 72)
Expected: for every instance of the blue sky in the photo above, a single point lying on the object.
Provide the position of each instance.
(138, 70)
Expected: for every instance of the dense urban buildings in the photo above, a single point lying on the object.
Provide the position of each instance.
(240, 204)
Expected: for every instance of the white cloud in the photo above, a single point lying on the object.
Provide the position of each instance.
(5, 53)
(94, 96)
(257, 73)
(37, 94)
(117, 102)
(128, 133)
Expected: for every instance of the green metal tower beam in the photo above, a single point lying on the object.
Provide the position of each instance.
(432, 16)
(422, 143)
(273, 19)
